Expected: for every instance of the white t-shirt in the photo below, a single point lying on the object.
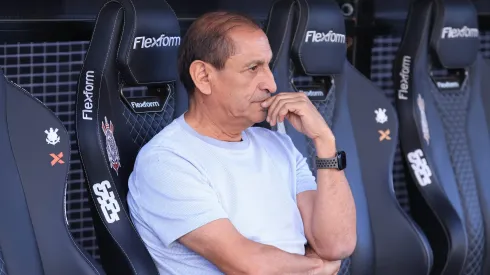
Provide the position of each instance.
(183, 180)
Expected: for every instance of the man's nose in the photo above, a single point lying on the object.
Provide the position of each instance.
(269, 83)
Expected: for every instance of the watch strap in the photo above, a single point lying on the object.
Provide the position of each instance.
(337, 162)
(327, 163)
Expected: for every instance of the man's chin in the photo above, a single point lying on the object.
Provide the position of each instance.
(260, 117)
(257, 115)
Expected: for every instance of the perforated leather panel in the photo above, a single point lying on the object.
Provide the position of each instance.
(382, 55)
(344, 268)
(326, 108)
(453, 108)
(144, 126)
(3, 268)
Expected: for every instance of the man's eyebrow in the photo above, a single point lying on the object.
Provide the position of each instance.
(256, 62)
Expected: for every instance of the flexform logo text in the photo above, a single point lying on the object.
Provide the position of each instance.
(163, 40)
(88, 92)
(464, 32)
(329, 37)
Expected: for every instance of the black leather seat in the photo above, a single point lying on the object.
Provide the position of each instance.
(134, 44)
(442, 91)
(308, 41)
(35, 155)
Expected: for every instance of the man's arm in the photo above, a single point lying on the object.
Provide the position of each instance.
(220, 243)
(329, 213)
(329, 267)
(172, 197)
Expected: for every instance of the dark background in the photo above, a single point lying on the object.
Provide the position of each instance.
(74, 19)
(87, 9)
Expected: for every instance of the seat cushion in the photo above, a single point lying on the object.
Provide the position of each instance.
(35, 238)
(133, 46)
(337, 90)
(444, 130)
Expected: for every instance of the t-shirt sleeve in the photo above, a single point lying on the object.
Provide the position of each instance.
(305, 180)
(172, 195)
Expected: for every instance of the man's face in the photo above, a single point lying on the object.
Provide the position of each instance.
(246, 79)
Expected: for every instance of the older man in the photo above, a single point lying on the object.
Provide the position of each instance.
(210, 194)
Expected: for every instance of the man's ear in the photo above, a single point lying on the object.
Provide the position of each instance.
(199, 71)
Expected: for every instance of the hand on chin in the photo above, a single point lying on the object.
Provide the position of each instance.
(301, 113)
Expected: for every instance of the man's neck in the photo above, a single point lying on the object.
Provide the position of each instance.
(215, 125)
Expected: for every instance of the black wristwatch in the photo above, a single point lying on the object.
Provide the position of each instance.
(338, 162)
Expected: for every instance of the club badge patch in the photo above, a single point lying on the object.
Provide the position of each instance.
(110, 145)
(381, 116)
(52, 136)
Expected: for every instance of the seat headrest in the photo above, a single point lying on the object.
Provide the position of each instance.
(149, 43)
(455, 35)
(319, 45)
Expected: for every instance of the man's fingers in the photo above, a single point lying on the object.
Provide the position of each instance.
(282, 108)
(283, 112)
(287, 108)
(275, 108)
(268, 102)
(277, 103)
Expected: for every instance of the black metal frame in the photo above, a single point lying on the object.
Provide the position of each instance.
(13, 31)
(53, 30)
(363, 36)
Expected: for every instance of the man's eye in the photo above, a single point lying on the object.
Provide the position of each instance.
(254, 68)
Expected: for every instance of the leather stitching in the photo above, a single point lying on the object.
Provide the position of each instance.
(100, 142)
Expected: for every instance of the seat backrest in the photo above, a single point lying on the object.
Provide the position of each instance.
(441, 94)
(134, 44)
(34, 233)
(308, 41)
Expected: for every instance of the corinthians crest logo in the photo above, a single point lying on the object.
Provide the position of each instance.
(110, 145)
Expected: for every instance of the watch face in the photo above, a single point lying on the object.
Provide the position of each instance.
(341, 160)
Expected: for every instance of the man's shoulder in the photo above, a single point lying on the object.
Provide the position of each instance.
(170, 133)
(170, 140)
